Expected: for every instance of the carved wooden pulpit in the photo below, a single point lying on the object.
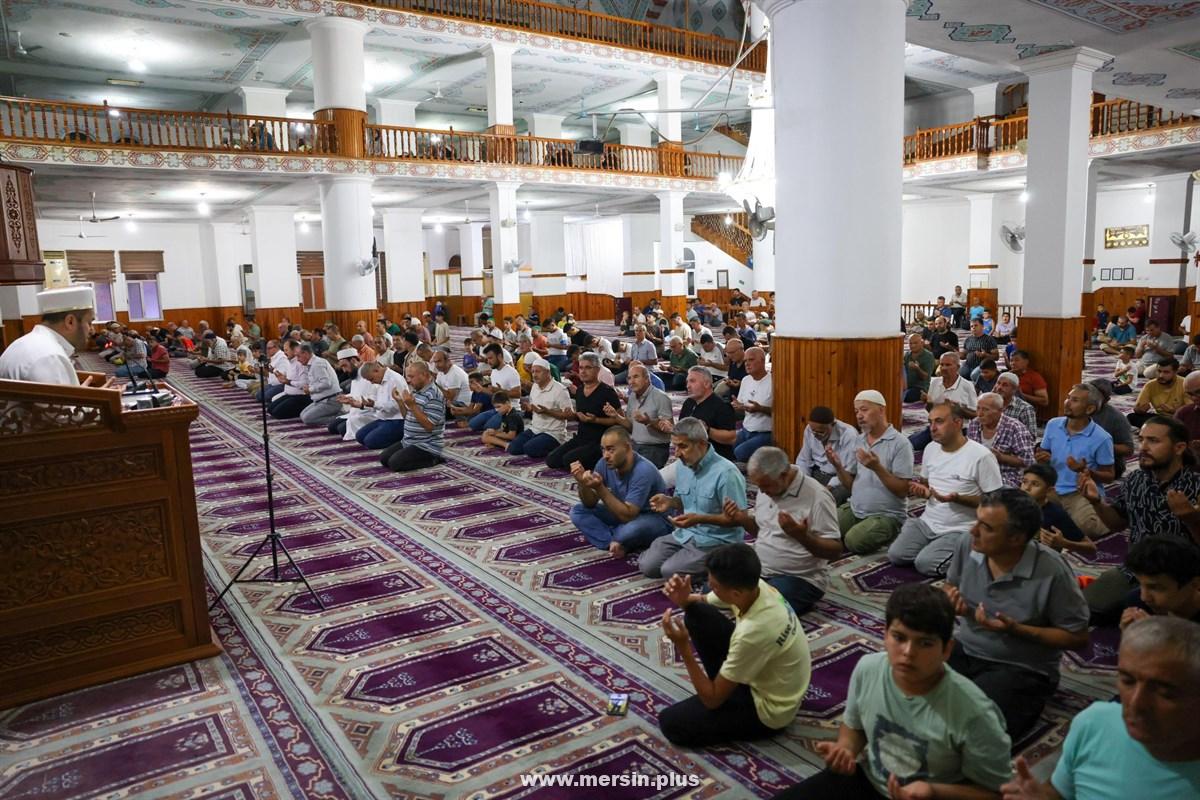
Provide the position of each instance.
(100, 564)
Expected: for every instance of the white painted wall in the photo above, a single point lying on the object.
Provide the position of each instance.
(937, 110)
(710, 258)
(934, 249)
(440, 246)
(1118, 209)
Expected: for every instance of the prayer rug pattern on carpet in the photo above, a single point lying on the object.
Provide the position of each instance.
(469, 637)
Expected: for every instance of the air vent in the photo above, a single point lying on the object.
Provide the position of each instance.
(124, 82)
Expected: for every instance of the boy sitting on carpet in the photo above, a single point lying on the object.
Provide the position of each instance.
(913, 727)
(511, 422)
(1059, 531)
(755, 669)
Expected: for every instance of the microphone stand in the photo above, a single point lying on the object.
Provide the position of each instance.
(272, 536)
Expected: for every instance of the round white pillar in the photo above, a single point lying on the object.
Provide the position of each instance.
(338, 64)
(346, 230)
(838, 181)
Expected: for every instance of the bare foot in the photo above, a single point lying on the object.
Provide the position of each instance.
(616, 550)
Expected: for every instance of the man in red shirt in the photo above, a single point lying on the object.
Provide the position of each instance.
(1033, 385)
(159, 360)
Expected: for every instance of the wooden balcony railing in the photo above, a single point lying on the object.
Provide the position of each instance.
(985, 135)
(422, 144)
(574, 23)
(732, 237)
(112, 126)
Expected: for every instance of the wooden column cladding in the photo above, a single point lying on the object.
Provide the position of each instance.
(349, 130)
(1055, 347)
(830, 372)
(20, 253)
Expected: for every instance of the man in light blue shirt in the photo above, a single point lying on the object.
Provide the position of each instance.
(1149, 744)
(1073, 443)
(704, 480)
(640, 349)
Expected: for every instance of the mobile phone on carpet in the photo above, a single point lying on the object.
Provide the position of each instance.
(618, 704)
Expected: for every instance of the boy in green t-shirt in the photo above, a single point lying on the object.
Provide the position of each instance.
(913, 727)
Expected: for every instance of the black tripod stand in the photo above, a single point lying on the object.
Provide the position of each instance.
(272, 537)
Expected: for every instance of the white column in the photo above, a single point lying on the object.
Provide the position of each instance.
(338, 64)
(1170, 200)
(402, 241)
(470, 250)
(1060, 97)
(548, 253)
(835, 181)
(395, 112)
(670, 95)
(764, 263)
(670, 244)
(499, 83)
(985, 98)
(1089, 229)
(634, 133)
(547, 126)
(506, 279)
(346, 232)
(276, 282)
(263, 101)
(982, 233)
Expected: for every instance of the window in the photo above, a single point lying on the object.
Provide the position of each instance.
(312, 292)
(104, 303)
(143, 300)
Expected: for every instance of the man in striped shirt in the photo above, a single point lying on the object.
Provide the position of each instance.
(424, 422)
(1008, 386)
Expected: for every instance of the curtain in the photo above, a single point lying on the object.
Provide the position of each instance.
(594, 251)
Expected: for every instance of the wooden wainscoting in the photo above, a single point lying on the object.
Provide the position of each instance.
(396, 311)
(547, 304)
(1055, 347)
(1116, 299)
(830, 372)
(988, 298)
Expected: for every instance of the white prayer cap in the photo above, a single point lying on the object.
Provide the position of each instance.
(530, 358)
(541, 362)
(71, 298)
(348, 352)
(871, 396)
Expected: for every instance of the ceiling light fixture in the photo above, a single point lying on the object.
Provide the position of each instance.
(131, 226)
(1024, 197)
(527, 215)
(202, 208)
(136, 65)
(112, 112)
(1150, 193)
(729, 219)
(304, 228)
(438, 227)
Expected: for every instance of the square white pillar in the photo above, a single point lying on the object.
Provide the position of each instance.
(402, 241)
(548, 253)
(672, 277)
(670, 96)
(263, 101)
(547, 126)
(985, 99)
(499, 83)
(506, 278)
(470, 250)
(402, 113)
(1060, 96)
(276, 280)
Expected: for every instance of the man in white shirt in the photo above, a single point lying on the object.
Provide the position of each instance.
(557, 343)
(712, 358)
(44, 354)
(754, 398)
(795, 522)
(958, 472)
(294, 398)
(825, 430)
(552, 406)
(278, 362)
(696, 331)
(451, 379)
(503, 377)
(756, 301)
(387, 427)
(950, 387)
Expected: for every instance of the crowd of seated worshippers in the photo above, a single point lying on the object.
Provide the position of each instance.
(1003, 499)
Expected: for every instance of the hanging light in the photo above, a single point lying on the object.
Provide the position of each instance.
(136, 65)
(130, 225)
(202, 208)
(1150, 193)
(527, 216)
(729, 219)
(1024, 198)
(304, 227)
(438, 227)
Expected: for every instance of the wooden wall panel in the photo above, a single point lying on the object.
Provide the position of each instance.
(502, 310)
(1055, 347)
(547, 304)
(988, 298)
(463, 308)
(396, 311)
(269, 318)
(1117, 299)
(642, 299)
(830, 372)
(674, 304)
(721, 297)
(13, 330)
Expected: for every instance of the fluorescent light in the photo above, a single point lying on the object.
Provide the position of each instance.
(131, 226)
(1024, 198)
(112, 112)
(304, 227)
(202, 208)
(1150, 193)
(136, 65)
(438, 228)
(527, 215)
(729, 219)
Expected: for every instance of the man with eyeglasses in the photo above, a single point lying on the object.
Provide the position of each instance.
(1189, 414)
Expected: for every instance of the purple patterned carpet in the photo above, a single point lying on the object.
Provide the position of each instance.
(469, 637)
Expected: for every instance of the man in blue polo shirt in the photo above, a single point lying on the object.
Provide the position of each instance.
(704, 482)
(1074, 446)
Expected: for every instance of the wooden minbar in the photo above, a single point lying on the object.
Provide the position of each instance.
(100, 564)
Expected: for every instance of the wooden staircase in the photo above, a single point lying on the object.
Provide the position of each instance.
(739, 135)
(733, 238)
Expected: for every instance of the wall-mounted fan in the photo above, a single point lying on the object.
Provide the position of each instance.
(1188, 242)
(368, 265)
(1013, 237)
(760, 219)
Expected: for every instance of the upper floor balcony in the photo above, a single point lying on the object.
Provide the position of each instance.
(589, 26)
(103, 127)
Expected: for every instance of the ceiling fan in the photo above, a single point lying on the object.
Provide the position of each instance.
(99, 219)
(467, 218)
(437, 94)
(22, 50)
(82, 234)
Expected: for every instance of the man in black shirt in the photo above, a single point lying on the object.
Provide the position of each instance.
(942, 339)
(711, 410)
(578, 335)
(590, 400)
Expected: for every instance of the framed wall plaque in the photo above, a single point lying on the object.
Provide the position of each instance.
(1106, 274)
(1126, 236)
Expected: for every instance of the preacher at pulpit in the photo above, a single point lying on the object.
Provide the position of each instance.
(44, 354)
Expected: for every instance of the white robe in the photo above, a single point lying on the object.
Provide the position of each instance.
(361, 389)
(385, 405)
(42, 356)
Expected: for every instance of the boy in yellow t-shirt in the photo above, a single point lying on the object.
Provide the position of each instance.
(755, 669)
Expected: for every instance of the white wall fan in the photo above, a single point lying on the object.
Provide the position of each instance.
(1187, 242)
(1013, 237)
(760, 220)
